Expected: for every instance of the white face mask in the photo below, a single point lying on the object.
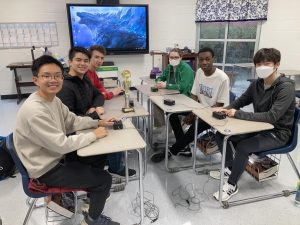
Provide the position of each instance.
(174, 62)
(264, 71)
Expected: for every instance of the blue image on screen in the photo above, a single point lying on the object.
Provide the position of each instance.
(113, 27)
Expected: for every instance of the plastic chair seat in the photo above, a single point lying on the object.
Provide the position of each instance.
(30, 187)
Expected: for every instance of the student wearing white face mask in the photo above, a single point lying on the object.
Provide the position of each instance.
(178, 75)
(273, 99)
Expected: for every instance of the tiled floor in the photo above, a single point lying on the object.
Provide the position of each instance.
(163, 188)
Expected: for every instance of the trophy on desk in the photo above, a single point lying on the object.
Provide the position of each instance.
(126, 84)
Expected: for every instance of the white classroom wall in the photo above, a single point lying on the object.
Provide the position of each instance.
(170, 22)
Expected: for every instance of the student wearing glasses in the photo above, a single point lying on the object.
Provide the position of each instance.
(41, 141)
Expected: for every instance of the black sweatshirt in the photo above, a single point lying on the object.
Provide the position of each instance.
(275, 105)
(79, 95)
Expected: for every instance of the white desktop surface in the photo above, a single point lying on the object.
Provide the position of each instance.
(116, 141)
(229, 125)
(182, 103)
(113, 108)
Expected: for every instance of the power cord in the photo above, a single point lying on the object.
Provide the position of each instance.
(151, 211)
(186, 197)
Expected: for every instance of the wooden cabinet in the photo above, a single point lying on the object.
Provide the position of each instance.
(190, 58)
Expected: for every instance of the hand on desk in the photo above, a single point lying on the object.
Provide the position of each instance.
(107, 122)
(161, 84)
(228, 112)
(99, 110)
(117, 91)
(100, 132)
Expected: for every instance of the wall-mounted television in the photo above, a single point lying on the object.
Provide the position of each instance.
(121, 29)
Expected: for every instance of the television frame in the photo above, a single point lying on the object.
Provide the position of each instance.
(113, 51)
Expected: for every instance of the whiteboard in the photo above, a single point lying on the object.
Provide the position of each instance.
(26, 35)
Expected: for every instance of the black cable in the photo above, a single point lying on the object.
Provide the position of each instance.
(151, 211)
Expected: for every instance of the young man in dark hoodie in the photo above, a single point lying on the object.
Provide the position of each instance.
(273, 99)
(84, 99)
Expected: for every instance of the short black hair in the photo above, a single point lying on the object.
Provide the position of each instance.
(43, 60)
(267, 55)
(77, 49)
(98, 48)
(206, 49)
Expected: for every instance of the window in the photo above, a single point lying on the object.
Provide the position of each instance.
(234, 44)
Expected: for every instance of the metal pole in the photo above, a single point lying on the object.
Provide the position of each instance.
(141, 184)
(195, 144)
(222, 169)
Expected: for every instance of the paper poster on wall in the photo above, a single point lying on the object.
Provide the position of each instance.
(26, 35)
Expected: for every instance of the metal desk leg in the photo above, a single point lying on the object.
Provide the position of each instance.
(150, 127)
(141, 184)
(145, 152)
(222, 169)
(167, 141)
(195, 144)
(126, 168)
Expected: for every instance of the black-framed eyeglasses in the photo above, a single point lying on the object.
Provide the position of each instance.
(48, 76)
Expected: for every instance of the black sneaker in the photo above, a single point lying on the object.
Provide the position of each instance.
(159, 156)
(185, 152)
(102, 220)
(131, 173)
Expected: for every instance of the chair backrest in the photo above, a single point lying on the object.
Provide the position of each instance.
(291, 145)
(297, 93)
(19, 165)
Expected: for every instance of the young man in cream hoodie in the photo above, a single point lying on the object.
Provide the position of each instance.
(41, 141)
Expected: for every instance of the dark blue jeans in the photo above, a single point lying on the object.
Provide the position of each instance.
(115, 161)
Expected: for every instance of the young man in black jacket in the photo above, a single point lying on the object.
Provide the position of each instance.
(273, 99)
(78, 93)
(84, 99)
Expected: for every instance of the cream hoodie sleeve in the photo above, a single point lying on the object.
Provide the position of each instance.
(50, 130)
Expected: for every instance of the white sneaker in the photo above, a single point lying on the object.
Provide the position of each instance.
(217, 175)
(229, 190)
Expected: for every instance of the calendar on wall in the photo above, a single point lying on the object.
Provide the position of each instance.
(26, 35)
